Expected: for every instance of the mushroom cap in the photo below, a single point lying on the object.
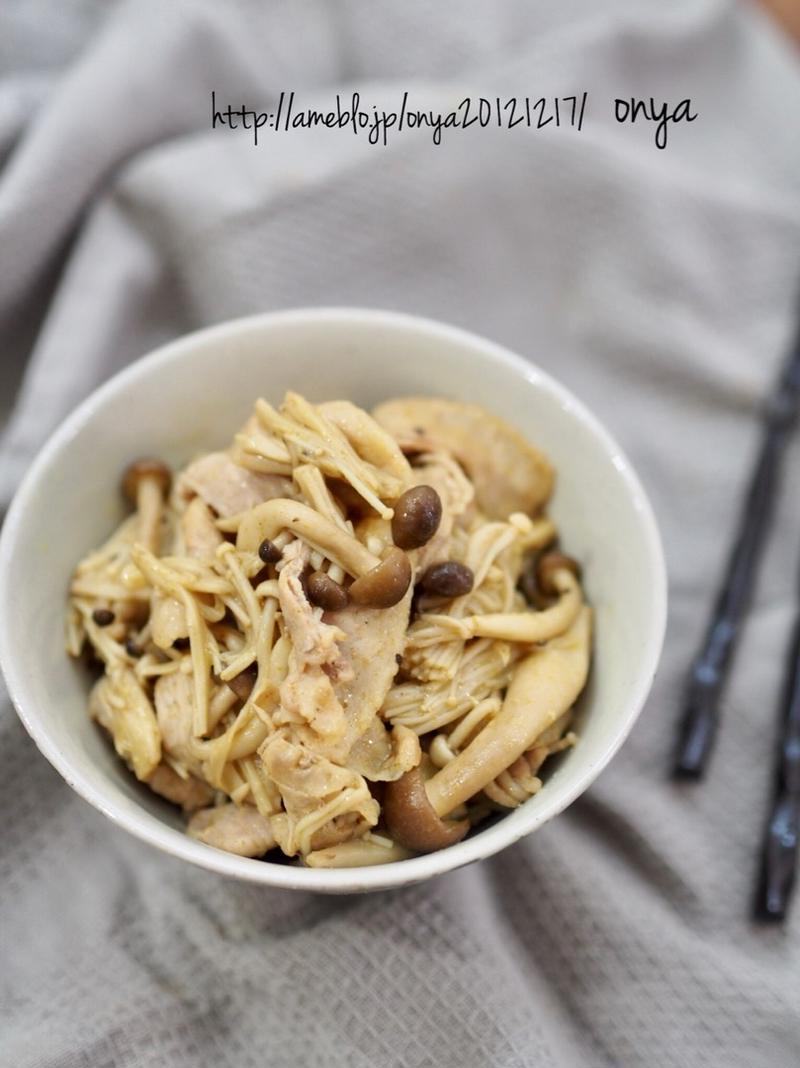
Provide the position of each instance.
(145, 467)
(385, 585)
(411, 819)
(417, 515)
(448, 578)
(548, 565)
(324, 592)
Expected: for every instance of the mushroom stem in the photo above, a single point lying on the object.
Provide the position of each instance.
(545, 685)
(145, 483)
(357, 854)
(149, 502)
(268, 519)
(527, 627)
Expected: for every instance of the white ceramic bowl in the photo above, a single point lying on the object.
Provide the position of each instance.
(191, 395)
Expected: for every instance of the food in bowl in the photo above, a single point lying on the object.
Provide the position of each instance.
(347, 637)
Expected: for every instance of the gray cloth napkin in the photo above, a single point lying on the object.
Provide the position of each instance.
(660, 285)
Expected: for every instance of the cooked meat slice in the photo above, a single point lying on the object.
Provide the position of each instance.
(307, 695)
(200, 533)
(374, 638)
(190, 793)
(315, 792)
(340, 670)
(99, 707)
(509, 474)
(313, 641)
(227, 487)
(236, 829)
(370, 643)
(383, 755)
(167, 620)
(120, 705)
(174, 700)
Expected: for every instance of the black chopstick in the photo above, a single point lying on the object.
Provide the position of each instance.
(779, 856)
(710, 667)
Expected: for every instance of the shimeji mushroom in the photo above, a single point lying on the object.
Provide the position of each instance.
(411, 819)
(385, 585)
(417, 515)
(557, 574)
(325, 592)
(146, 483)
(267, 520)
(545, 685)
(379, 583)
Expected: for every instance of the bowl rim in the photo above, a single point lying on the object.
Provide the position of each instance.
(333, 880)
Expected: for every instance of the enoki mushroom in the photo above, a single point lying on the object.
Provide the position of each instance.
(317, 641)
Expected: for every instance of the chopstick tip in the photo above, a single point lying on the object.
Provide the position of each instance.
(696, 736)
(771, 903)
